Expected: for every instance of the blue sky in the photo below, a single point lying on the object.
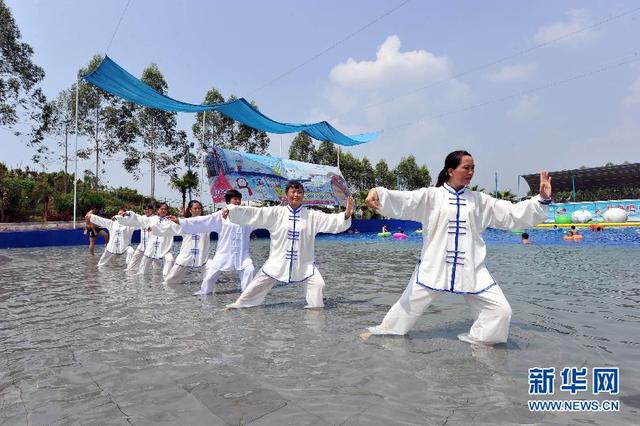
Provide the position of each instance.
(432, 75)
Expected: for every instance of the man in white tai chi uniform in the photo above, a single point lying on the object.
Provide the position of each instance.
(293, 229)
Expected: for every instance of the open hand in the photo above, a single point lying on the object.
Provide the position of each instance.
(174, 219)
(225, 213)
(372, 200)
(545, 185)
(349, 208)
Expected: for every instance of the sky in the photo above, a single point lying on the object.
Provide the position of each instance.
(522, 86)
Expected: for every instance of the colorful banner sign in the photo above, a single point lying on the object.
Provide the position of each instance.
(264, 178)
(597, 208)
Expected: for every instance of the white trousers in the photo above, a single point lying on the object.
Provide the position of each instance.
(133, 261)
(258, 289)
(108, 256)
(146, 263)
(211, 277)
(490, 310)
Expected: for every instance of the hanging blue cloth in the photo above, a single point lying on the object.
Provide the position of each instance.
(114, 79)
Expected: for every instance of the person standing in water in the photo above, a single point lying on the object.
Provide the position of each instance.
(452, 258)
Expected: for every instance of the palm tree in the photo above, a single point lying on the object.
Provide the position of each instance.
(477, 188)
(184, 184)
(506, 195)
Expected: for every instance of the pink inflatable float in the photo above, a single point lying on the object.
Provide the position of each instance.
(400, 236)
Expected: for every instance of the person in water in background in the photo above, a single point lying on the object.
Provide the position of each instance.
(525, 238)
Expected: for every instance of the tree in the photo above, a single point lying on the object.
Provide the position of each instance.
(184, 184)
(383, 176)
(367, 175)
(351, 170)
(225, 132)
(326, 154)
(476, 188)
(410, 175)
(152, 136)
(302, 148)
(62, 123)
(43, 193)
(19, 79)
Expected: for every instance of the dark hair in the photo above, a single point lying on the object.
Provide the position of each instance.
(163, 204)
(232, 193)
(187, 212)
(147, 206)
(451, 162)
(525, 236)
(293, 184)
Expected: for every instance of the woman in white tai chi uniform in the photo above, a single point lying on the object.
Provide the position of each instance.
(158, 247)
(194, 249)
(119, 237)
(453, 253)
(232, 251)
(133, 263)
(293, 230)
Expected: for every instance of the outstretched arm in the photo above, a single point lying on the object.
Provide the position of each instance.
(100, 221)
(255, 217)
(409, 205)
(201, 224)
(506, 215)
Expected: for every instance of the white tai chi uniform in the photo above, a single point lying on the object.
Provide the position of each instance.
(158, 248)
(453, 254)
(133, 261)
(232, 250)
(193, 254)
(119, 239)
(291, 255)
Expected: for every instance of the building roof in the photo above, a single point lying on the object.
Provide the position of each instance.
(623, 175)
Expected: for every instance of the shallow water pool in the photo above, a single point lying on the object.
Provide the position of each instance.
(97, 347)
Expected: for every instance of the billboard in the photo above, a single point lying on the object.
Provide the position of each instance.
(264, 178)
(597, 208)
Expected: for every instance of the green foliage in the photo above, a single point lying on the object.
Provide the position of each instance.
(302, 148)
(185, 184)
(326, 154)
(383, 176)
(25, 194)
(410, 175)
(226, 133)
(19, 80)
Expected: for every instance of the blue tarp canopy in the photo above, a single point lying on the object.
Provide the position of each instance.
(114, 79)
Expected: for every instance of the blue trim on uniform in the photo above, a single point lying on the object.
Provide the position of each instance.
(292, 254)
(289, 282)
(453, 291)
(455, 248)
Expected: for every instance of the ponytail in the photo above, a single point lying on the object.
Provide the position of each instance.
(451, 162)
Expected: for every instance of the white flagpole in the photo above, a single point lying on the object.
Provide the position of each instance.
(204, 115)
(75, 173)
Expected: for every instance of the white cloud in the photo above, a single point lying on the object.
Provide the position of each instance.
(391, 66)
(513, 72)
(634, 97)
(526, 108)
(574, 30)
(399, 92)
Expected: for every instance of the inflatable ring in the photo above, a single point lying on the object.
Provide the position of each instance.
(596, 227)
(577, 237)
(384, 234)
(400, 236)
(418, 231)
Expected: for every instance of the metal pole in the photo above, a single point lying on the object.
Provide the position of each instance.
(573, 187)
(496, 184)
(204, 115)
(518, 199)
(75, 173)
(338, 158)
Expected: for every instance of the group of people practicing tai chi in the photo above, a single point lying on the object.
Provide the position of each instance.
(452, 258)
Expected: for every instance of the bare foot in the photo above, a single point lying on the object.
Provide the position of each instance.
(365, 336)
